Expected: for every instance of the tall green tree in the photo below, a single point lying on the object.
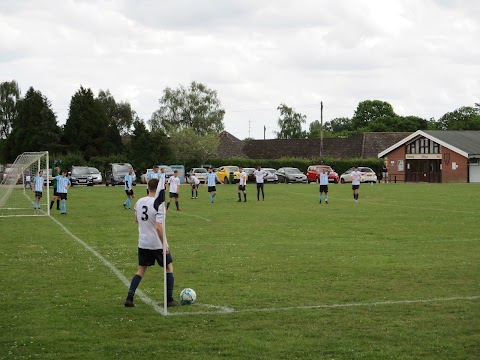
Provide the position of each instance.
(371, 110)
(464, 118)
(148, 148)
(290, 123)
(86, 126)
(186, 144)
(35, 127)
(9, 95)
(119, 114)
(196, 107)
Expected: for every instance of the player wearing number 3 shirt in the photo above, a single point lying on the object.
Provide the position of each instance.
(151, 243)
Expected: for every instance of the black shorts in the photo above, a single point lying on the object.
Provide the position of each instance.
(55, 193)
(212, 189)
(147, 257)
(38, 194)
(324, 188)
(260, 185)
(241, 187)
(63, 196)
(194, 186)
(129, 192)
(355, 187)
(173, 195)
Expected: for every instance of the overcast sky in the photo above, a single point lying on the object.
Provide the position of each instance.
(421, 56)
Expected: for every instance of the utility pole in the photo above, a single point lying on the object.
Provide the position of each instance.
(249, 127)
(321, 132)
(264, 130)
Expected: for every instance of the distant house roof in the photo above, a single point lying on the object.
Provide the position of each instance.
(229, 146)
(466, 143)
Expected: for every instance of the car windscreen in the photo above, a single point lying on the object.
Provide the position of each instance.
(292, 171)
(121, 167)
(81, 171)
(366, 170)
(168, 169)
(94, 170)
(232, 169)
(199, 171)
(271, 171)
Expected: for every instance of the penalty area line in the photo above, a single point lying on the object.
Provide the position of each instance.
(187, 214)
(145, 298)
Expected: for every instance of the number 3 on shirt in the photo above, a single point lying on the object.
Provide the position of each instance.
(144, 213)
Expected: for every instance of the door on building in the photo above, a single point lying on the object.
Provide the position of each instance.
(424, 171)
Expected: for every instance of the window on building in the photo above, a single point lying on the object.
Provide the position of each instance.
(412, 148)
(436, 148)
(423, 146)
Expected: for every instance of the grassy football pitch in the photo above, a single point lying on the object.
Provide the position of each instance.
(396, 275)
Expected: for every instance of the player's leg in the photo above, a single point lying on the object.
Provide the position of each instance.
(320, 191)
(326, 194)
(263, 193)
(238, 193)
(176, 202)
(258, 192)
(245, 194)
(134, 285)
(169, 200)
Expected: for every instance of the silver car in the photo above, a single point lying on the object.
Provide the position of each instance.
(271, 177)
(291, 175)
(97, 177)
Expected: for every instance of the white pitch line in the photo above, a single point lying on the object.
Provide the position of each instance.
(147, 300)
(184, 213)
(325, 306)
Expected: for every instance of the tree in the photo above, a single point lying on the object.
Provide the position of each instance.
(186, 144)
(119, 114)
(464, 118)
(315, 129)
(9, 95)
(196, 107)
(290, 123)
(397, 124)
(86, 126)
(35, 127)
(370, 110)
(147, 148)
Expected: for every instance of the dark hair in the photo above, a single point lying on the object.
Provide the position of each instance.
(152, 185)
(155, 166)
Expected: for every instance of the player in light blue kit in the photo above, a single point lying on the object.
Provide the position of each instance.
(63, 184)
(211, 183)
(129, 189)
(153, 175)
(324, 185)
(38, 183)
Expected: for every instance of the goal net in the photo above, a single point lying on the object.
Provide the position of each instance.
(24, 189)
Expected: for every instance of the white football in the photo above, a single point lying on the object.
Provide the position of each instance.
(188, 296)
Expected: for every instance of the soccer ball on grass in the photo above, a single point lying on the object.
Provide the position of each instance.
(188, 296)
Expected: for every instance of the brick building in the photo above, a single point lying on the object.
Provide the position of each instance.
(435, 156)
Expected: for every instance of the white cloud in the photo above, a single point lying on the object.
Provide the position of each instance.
(421, 56)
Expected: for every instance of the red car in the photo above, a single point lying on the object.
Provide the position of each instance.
(314, 171)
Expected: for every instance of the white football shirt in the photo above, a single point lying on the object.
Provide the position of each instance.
(174, 184)
(194, 180)
(243, 178)
(147, 218)
(356, 175)
(259, 175)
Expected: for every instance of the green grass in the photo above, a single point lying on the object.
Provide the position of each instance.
(284, 266)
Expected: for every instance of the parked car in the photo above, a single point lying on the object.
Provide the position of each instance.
(224, 172)
(115, 174)
(314, 171)
(199, 173)
(96, 175)
(291, 175)
(271, 177)
(80, 175)
(366, 175)
(250, 176)
(144, 177)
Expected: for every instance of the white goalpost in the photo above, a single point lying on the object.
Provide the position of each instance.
(17, 188)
